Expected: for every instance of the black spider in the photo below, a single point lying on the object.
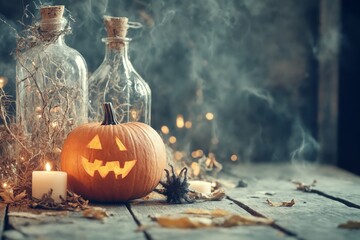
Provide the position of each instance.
(176, 188)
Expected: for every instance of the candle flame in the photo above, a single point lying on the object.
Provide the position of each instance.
(47, 167)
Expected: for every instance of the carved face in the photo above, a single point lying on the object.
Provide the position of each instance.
(105, 166)
(112, 163)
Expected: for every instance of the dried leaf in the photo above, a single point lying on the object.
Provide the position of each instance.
(209, 218)
(237, 219)
(153, 195)
(217, 195)
(20, 196)
(350, 225)
(8, 196)
(213, 213)
(282, 204)
(73, 202)
(95, 213)
(303, 187)
(183, 222)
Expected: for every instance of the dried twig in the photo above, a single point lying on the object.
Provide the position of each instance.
(21, 152)
(73, 202)
(350, 225)
(281, 204)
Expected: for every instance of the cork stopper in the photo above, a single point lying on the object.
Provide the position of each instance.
(51, 18)
(116, 26)
(51, 12)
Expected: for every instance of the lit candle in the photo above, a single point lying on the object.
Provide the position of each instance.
(200, 186)
(43, 181)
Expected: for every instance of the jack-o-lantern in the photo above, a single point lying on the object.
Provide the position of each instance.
(111, 162)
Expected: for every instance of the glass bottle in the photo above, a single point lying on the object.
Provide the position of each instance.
(116, 80)
(51, 89)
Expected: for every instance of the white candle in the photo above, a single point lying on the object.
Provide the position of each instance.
(200, 186)
(43, 181)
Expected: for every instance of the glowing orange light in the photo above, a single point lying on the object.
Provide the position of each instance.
(3, 81)
(165, 129)
(105, 168)
(195, 168)
(180, 121)
(178, 155)
(209, 116)
(54, 124)
(198, 153)
(234, 157)
(4, 185)
(38, 109)
(55, 109)
(95, 143)
(47, 167)
(172, 139)
(134, 114)
(188, 124)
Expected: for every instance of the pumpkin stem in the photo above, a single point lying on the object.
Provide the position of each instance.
(109, 115)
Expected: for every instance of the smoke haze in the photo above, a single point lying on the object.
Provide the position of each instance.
(252, 64)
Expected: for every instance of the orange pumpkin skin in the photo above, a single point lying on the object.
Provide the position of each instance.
(135, 143)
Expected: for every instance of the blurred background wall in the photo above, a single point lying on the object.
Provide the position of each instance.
(243, 75)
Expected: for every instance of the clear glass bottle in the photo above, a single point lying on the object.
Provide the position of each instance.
(52, 91)
(116, 80)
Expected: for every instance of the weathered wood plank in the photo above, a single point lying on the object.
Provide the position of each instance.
(328, 86)
(143, 209)
(312, 217)
(2, 217)
(330, 180)
(73, 225)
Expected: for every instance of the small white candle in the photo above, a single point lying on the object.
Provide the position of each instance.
(43, 181)
(200, 186)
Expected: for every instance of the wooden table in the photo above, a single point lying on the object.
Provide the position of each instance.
(316, 215)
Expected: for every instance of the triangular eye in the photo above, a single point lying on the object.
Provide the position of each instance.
(95, 143)
(120, 144)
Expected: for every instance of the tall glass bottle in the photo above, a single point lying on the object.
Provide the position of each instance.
(116, 80)
(52, 92)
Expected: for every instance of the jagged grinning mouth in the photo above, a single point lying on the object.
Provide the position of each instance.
(110, 166)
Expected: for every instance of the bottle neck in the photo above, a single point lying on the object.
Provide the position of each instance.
(53, 30)
(55, 39)
(116, 49)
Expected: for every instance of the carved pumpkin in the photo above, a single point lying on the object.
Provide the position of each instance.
(111, 162)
